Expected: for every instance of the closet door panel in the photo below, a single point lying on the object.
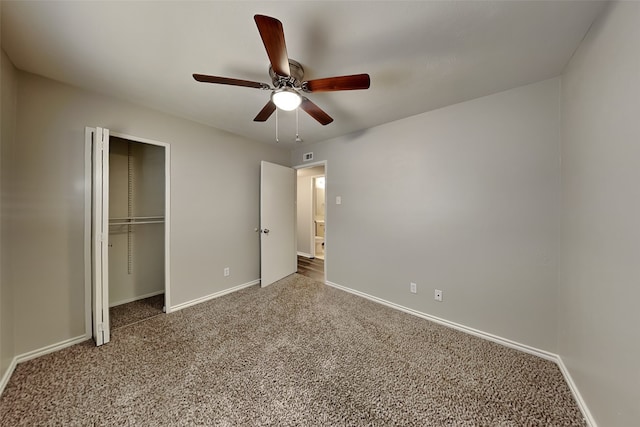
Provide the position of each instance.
(100, 235)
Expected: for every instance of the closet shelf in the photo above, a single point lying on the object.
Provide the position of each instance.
(136, 222)
(136, 217)
(133, 220)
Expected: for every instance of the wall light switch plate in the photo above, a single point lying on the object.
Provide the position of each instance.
(338, 200)
(413, 287)
(437, 295)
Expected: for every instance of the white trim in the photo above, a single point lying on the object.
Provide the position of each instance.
(40, 352)
(7, 375)
(311, 165)
(214, 295)
(167, 228)
(87, 228)
(136, 298)
(491, 337)
(304, 254)
(481, 334)
(138, 139)
(51, 348)
(591, 422)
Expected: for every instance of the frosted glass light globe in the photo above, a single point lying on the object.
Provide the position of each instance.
(286, 99)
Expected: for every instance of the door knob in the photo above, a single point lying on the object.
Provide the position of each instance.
(265, 231)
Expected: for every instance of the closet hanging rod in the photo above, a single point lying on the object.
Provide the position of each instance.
(136, 222)
(135, 218)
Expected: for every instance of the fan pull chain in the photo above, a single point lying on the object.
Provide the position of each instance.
(298, 139)
(277, 140)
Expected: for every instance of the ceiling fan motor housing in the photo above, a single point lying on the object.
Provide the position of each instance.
(294, 80)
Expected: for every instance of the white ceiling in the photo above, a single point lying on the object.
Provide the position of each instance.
(421, 55)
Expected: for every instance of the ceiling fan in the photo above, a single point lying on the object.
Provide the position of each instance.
(287, 77)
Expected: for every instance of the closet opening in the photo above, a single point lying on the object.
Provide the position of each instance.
(126, 231)
(136, 231)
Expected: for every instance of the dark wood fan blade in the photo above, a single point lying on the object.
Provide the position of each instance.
(227, 81)
(353, 82)
(273, 38)
(266, 112)
(316, 112)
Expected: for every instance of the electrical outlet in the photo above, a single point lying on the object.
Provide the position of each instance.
(437, 295)
(226, 272)
(413, 287)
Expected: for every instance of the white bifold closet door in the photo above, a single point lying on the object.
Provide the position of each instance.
(128, 236)
(100, 235)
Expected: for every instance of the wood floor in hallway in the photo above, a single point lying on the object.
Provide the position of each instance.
(311, 267)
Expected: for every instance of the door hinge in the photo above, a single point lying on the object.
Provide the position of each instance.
(100, 327)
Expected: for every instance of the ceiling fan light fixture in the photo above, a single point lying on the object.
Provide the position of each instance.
(286, 99)
(287, 77)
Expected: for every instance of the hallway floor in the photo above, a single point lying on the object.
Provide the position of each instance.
(311, 267)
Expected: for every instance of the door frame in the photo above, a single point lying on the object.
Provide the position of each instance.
(324, 163)
(88, 243)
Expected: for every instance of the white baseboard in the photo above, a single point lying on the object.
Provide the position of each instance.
(591, 422)
(212, 296)
(51, 348)
(37, 353)
(128, 300)
(7, 374)
(491, 337)
(304, 254)
(481, 334)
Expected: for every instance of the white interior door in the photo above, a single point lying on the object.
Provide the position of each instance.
(277, 223)
(100, 236)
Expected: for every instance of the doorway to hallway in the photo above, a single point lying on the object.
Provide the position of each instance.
(311, 267)
(311, 220)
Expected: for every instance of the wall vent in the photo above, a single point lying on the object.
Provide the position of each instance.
(307, 156)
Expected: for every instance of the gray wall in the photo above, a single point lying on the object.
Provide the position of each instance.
(599, 323)
(214, 205)
(464, 199)
(7, 121)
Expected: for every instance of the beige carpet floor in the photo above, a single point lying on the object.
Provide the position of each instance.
(297, 353)
(135, 311)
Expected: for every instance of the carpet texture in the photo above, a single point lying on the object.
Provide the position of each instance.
(297, 353)
(132, 312)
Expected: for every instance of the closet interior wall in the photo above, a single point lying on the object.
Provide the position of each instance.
(136, 216)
